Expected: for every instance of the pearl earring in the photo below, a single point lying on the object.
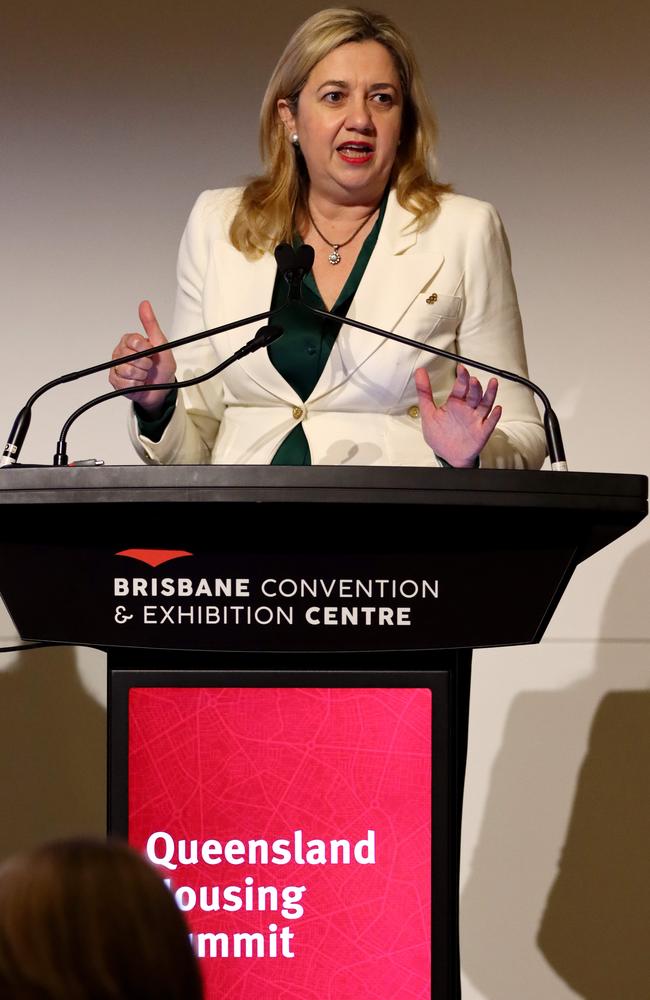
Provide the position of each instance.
(294, 139)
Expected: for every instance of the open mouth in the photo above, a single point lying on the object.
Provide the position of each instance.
(355, 152)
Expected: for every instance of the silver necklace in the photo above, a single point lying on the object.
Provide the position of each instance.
(335, 256)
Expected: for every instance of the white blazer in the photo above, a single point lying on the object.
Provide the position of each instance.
(449, 285)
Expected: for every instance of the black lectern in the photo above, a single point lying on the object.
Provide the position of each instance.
(288, 656)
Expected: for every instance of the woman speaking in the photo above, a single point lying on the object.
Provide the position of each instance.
(347, 141)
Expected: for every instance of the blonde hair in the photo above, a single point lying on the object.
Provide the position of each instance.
(272, 203)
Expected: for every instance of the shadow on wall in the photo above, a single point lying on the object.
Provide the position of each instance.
(594, 931)
(52, 752)
(587, 906)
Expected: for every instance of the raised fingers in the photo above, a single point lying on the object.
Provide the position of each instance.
(461, 386)
(425, 396)
(474, 393)
(469, 389)
(491, 421)
(150, 324)
(487, 402)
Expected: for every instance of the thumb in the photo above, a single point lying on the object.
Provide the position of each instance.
(150, 324)
(425, 395)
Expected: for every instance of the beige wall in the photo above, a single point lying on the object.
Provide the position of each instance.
(113, 120)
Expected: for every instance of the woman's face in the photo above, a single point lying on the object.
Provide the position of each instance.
(348, 122)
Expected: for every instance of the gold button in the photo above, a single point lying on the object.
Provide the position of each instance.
(297, 412)
(414, 411)
(432, 298)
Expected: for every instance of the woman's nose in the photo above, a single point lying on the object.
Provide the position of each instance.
(359, 118)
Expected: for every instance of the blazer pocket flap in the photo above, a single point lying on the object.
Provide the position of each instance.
(439, 304)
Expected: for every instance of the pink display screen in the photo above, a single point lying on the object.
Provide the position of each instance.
(294, 827)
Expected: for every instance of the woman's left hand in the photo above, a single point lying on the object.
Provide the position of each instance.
(458, 429)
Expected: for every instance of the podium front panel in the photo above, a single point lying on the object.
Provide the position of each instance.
(302, 821)
(299, 559)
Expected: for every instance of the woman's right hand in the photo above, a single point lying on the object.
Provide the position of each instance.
(159, 368)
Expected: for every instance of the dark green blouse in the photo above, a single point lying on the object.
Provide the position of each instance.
(300, 355)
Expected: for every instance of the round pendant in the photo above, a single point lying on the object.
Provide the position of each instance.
(334, 257)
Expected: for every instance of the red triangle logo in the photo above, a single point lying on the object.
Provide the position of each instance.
(153, 557)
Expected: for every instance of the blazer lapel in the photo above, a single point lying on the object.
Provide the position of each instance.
(395, 275)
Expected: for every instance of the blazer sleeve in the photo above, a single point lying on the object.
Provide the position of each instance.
(490, 330)
(189, 437)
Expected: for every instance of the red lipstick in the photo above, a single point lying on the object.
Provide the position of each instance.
(355, 152)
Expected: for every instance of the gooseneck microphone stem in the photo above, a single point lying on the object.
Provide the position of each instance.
(512, 376)
(551, 422)
(292, 265)
(21, 423)
(295, 264)
(267, 335)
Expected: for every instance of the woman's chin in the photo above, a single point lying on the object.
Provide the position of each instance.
(360, 182)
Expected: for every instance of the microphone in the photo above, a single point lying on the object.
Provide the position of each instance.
(305, 258)
(265, 336)
(295, 271)
(285, 258)
(294, 266)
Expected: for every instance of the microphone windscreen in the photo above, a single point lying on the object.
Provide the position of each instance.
(285, 257)
(305, 258)
(267, 335)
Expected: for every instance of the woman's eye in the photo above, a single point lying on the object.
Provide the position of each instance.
(382, 98)
(333, 97)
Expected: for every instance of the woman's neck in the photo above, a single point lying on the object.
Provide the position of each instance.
(337, 220)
